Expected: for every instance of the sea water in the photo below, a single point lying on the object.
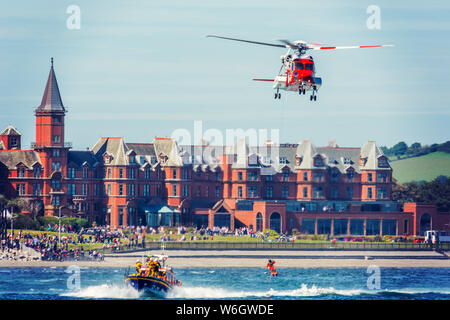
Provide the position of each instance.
(231, 283)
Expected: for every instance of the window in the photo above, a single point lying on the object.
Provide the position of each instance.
(356, 227)
(37, 172)
(174, 189)
(334, 193)
(55, 201)
(340, 226)
(285, 192)
(132, 159)
(372, 227)
(131, 173)
(120, 173)
(349, 192)
(20, 187)
(239, 192)
(71, 189)
(317, 176)
(36, 189)
(285, 176)
(318, 192)
(56, 152)
(21, 172)
(269, 192)
(369, 177)
(199, 191)
(146, 190)
(308, 226)
(305, 176)
(109, 189)
(13, 141)
(84, 189)
(350, 175)
(323, 226)
(283, 160)
(71, 173)
(269, 177)
(120, 189)
(240, 176)
(85, 172)
(55, 139)
(298, 66)
(56, 119)
(382, 177)
(131, 190)
(217, 176)
(382, 193)
(147, 173)
(185, 190)
(56, 184)
(318, 161)
(184, 173)
(305, 192)
(217, 192)
(369, 193)
(389, 227)
(174, 174)
(334, 176)
(207, 191)
(309, 66)
(252, 191)
(252, 175)
(109, 172)
(56, 166)
(382, 162)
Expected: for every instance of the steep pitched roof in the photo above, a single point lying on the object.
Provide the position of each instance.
(81, 157)
(115, 147)
(10, 131)
(11, 158)
(51, 101)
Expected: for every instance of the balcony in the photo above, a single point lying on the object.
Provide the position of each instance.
(35, 145)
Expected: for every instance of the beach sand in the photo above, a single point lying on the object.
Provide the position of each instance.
(248, 259)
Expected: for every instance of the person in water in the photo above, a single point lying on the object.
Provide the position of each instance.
(270, 266)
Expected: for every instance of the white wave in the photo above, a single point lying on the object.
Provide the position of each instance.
(104, 291)
(218, 293)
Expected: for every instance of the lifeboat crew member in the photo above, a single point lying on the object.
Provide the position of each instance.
(270, 265)
(138, 267)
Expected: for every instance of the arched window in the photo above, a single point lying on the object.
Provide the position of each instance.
(275, 222)
(259, 222)
(425, 223)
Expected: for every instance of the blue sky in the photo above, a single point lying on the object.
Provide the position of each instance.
(140, 69)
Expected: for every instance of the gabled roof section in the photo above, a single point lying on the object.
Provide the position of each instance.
(51, 101)
(81, 158)
(113, 146)
(370, 153)
(10, 131)
(11, 158)
(169, 148)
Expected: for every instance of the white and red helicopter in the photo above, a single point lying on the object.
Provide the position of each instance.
(297, 72)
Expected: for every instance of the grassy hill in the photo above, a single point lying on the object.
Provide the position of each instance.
(424, 168)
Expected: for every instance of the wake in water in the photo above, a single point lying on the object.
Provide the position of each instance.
(303, 291)
(104, 291)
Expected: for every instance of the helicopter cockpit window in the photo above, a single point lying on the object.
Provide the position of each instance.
(299, 66)
(309, 66)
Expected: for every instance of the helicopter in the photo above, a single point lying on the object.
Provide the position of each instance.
(298, 72)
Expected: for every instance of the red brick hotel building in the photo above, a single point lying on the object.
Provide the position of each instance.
(316, 190)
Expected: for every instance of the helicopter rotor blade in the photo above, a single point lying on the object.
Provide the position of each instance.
(248, 41)
(350, 47)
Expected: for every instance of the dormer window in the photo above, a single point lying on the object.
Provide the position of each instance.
(131, 159)
(283, 160)
(362, 161)
(382, 162)
(347, 161)
(318, 161)
(298, 160)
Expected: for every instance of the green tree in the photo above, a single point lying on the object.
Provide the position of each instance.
(400, 148)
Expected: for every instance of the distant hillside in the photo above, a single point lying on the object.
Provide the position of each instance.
(423, 168)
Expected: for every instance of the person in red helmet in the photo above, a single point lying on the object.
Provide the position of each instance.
(270, 266)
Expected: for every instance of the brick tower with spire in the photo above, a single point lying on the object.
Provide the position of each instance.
(50, 143)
